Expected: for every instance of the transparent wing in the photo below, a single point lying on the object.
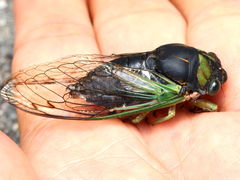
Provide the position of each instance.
(42, 89)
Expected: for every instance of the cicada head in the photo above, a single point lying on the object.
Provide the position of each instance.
(193, 69)
(210, 74)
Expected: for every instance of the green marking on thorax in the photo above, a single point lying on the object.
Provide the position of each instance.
(204, 70)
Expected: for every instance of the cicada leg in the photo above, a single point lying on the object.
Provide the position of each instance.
(203, 105)
(171, 113)
(140, 117)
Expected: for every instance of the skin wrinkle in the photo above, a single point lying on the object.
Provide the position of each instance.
(149, 151)
(203, 7)
(97, 28)
(213, 5)
(104, 27)
(152, 154)
(47, 20)
(210, 28)
(46, 25)
(180, 169)
(39, 33)
(184, 157)
(143, 142)
(126, 15)
(195, 145)
(94, 156)
(33, 133)
(137, 135)
(165, 174)
(108, 171)
(128, 163)
(209, 21)
(43, 126)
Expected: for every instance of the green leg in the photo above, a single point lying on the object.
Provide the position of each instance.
(204, 105)
(171, 113)
(140, 117)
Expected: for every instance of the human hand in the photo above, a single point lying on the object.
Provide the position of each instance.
(191, 146)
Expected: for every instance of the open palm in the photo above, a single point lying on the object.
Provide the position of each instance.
(189, 146)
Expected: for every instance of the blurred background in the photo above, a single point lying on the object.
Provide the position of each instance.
(8, 123)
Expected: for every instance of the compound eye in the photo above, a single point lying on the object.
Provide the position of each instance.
(214, 87)
(224, 76)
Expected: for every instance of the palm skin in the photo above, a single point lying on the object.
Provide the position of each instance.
(190, 146)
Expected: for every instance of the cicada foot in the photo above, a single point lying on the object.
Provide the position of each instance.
(203, 105)
(171, 113)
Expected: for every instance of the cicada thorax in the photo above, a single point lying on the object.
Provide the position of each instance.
(187, 66)
(195, 70)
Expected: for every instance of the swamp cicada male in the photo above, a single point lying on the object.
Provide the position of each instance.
(92, 87)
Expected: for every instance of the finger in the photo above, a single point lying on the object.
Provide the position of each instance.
(61, 29)
(47, 30)
(14, 163)
(215, 26)
(131, 26)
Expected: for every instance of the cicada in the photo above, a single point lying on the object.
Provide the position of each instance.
(94, 87)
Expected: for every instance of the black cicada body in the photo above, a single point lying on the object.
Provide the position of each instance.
(86, 87)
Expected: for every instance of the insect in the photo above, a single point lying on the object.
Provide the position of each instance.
(93, 87)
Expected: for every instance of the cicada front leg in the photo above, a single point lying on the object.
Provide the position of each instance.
(203, 105)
